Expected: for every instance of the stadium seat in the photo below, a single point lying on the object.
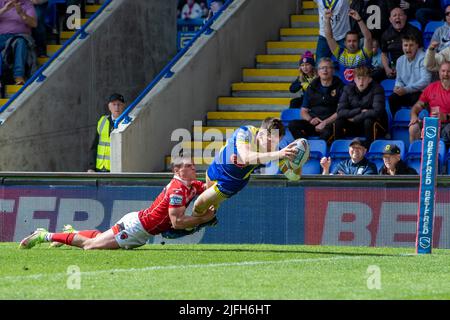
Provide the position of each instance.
(416, 24)
(388, 86)
(318, 150)
(375, 153)
(338, 152)
(400, 128)
(413, 157)
(290, 114)
(429, 30)
(287, 139)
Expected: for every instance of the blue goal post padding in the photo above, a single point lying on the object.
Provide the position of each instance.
(427, 191)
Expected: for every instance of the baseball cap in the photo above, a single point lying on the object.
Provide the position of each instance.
(116, 96)
(359, 141)
(391, 149)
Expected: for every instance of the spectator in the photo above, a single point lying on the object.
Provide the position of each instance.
(351, 56)
(360, 107)
(422, 10)
(356, 165)
(214, 7)
(191, 10)
(391, 43)
(412, 75)
(40, 32)
(433, 60)
(340, 25)
(17, 17)
(100, 152)
(393, 164)
(320, 101)
(307, 73)
(376, 64)
(442, 34)
(436, 99)
(205, 10)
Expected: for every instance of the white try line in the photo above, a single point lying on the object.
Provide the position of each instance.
(175, 267)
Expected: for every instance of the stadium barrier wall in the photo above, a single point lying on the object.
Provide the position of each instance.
(54, 121)
(354, 211)
(204, 73)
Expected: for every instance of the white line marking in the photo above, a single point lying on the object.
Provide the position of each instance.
(174, 267)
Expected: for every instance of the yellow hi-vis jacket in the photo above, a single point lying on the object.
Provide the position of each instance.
(103, 149)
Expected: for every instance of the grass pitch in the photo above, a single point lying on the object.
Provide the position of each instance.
(223, 272)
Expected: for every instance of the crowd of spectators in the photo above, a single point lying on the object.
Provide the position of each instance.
(350, 100)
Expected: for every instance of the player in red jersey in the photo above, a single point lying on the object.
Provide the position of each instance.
(135, 228)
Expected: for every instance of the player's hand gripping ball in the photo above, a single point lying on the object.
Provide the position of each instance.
(292, 169)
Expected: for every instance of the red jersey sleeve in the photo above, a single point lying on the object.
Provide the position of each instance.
(177, 198)
(199, 186)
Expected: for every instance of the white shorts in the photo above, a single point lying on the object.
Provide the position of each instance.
(129, 232)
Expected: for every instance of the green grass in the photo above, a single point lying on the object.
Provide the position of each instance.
(223, 272)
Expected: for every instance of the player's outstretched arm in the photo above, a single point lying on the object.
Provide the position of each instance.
(251, 157)
(181, 221)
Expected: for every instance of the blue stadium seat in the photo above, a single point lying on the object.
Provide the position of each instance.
(287, 139)
(413, 157)
(388, 86)
(429, 30)
(338, 152)
(399, 128)
(416, 24)
(318, 150)
(389, 114)
(290, 114)
(375, 153)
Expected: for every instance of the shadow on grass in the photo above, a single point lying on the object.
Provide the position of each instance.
(236, 250)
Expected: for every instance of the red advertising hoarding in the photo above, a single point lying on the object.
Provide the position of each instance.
(370, 217)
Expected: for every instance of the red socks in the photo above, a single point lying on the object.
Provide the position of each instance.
(67, 238)
(89, 233)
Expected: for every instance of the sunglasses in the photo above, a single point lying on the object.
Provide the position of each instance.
(447, 13)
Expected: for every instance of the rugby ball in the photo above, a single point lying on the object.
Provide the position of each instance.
(302, 156)
(292, 169)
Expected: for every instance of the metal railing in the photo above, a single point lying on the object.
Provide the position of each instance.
(166, 72)
(38, 75)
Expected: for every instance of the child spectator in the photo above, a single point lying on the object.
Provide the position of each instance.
(376, 64)
(307, 73)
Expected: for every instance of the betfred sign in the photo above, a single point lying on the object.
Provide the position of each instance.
(22, 210)
(264, 214)
(370, 217)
